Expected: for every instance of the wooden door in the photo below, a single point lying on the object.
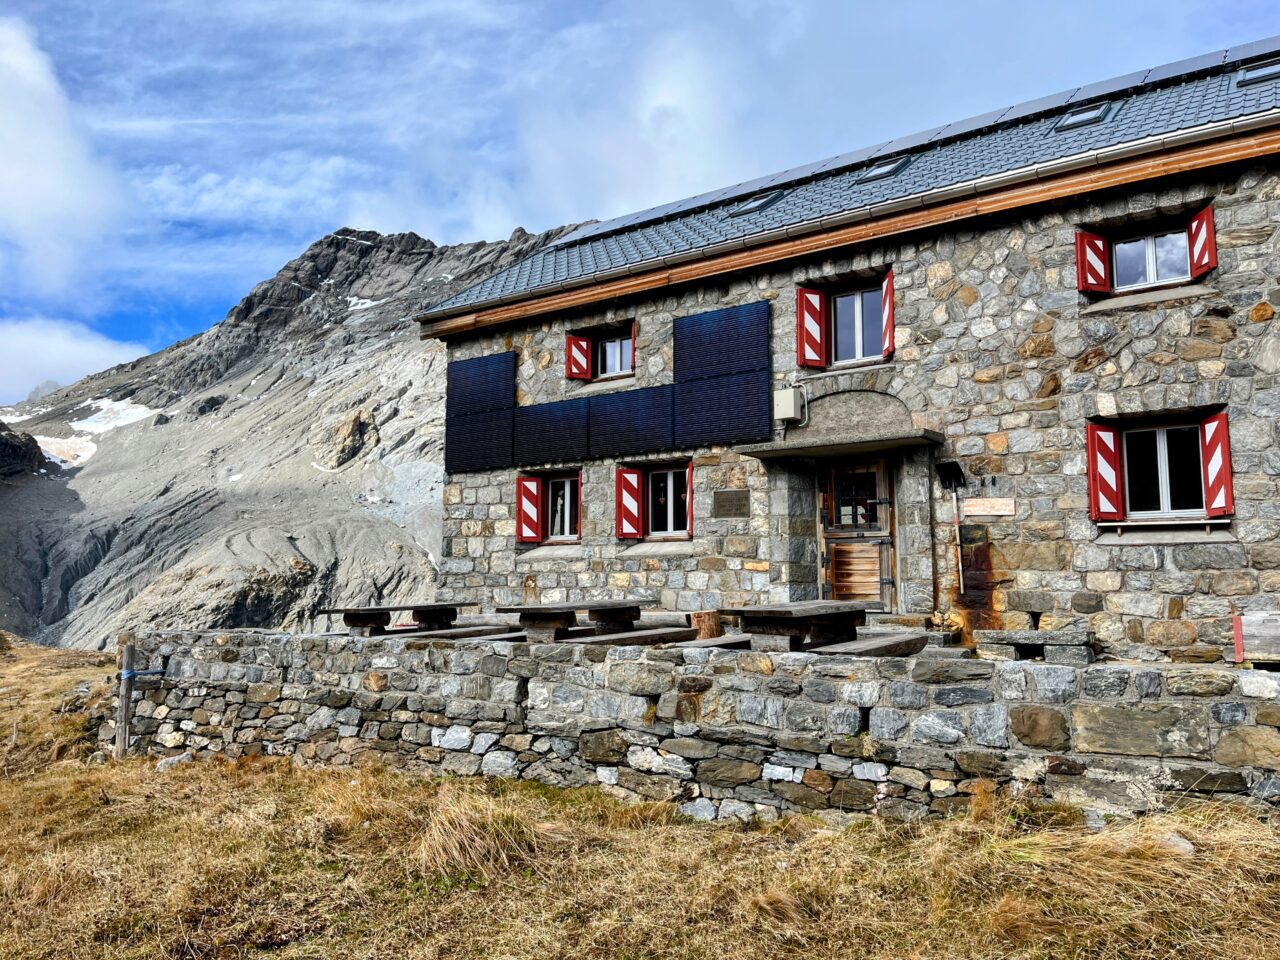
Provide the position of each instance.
(857, 534)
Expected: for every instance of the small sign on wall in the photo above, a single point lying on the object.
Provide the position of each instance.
(1257, 637)
(727, 504)
(989, 506)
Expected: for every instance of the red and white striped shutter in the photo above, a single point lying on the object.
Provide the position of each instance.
(1093, 262)
(1202, 242)
(811, 328)
(529, 510)
(1215, 457)
(577, 357)
(630, 504)
(1106, 489)
(688, 501)
(886, 316)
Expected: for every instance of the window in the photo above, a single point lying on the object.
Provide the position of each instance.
(1169, 471)
(1178, 253)
(548, 509)
(657, 502)
(1160, 258)
(600, 354)
(1083, 116)
(613, 357)
(844, 327)
(1162, 472)
(855, 326)
(668, 506)
(1258, 72)
(758, 203)
(884, 168)
(563, 504)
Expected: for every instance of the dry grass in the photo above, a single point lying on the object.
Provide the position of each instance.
(223, 860)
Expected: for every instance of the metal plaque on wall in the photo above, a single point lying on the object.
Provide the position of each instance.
(730, 503)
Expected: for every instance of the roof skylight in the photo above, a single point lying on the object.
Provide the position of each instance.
(885, 168)
(1256, 73)
(1083, 116)
(758, 203)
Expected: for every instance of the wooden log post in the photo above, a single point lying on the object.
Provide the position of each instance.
(124, 712)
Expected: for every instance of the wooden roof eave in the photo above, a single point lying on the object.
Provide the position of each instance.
(1235, 141)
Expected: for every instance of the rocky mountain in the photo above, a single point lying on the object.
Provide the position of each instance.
(19, 453)
(287, 459)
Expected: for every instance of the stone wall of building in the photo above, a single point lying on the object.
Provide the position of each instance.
(997, 351)
(725, 734)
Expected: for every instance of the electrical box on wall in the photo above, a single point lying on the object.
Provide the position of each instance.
(788, 403)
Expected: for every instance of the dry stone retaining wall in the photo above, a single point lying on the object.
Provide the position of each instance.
(724, 733)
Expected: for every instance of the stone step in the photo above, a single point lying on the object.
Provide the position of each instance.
(932, 652)
(1042, 638)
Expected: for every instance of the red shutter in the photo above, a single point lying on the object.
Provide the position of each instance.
(577, 357)
(811, 328)
(529, 510)
(1215, 458)
(886, 316)
(1093, 262)
(1202, 242)
(629, 507)
(1106, 488)
(688, 494)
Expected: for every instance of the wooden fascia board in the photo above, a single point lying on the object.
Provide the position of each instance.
(1067, 185)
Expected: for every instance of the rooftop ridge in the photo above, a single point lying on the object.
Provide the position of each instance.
(1024, 112)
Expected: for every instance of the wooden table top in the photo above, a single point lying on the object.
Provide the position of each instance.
(453, 605)
(801, 609)
(570, 607)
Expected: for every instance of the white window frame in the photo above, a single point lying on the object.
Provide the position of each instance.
(670, 533)
(601, 346)
(572, 493)
(1162, 459)
(859, 356)
(1150, 250)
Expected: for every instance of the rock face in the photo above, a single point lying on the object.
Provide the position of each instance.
(287, 459)
(19, 453)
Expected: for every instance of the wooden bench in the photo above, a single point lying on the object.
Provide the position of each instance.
(906, 645)
(374, 621)
(804, 624)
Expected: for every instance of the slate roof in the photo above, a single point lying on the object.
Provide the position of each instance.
(1149, 103)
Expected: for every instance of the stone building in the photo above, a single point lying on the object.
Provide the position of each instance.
(770, 392)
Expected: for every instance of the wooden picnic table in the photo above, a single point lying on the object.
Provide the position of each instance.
(373, 621)
(806, 623)
(545, 622)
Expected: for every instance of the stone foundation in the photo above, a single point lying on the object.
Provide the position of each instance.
(725, 734)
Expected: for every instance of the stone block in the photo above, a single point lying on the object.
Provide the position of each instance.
(1141, 730)
(960, 696)
(728, 772)
(1249, 747)
(1043, 728)
(640, 678)
(950, 671)
(853, 794)
(938, 726)
(1199, 683)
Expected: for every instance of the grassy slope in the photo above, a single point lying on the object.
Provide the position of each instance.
(256, 859)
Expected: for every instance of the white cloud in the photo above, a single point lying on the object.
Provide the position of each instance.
(36, 349)
(56, 198)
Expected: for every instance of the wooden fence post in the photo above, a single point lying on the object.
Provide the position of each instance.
(124, 713)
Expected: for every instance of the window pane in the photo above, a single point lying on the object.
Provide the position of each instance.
(1171, 256)
(609, 358)
(556, 508)
(1131, 263)
(1142, 473)
(658, 496)
(855, 495)
(1186, 492)
(872, 335)
(844, 336)
(628, 361)
(573, 508)
(680, 501)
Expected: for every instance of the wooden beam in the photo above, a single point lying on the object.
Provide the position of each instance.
(1055, 188)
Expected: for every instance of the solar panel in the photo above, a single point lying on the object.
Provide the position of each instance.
(633, 421)
(478, 441)
(729, 409)
(719, 342)
(552, 432)
(481, 383)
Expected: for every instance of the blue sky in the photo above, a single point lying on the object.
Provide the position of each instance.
(162, 157)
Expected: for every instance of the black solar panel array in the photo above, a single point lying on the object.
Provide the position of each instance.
(721, 395)
(551, 432)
